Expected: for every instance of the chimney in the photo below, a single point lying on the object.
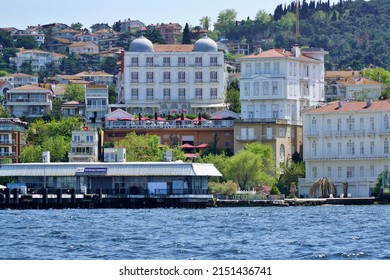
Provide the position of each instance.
(369, 103)
(340, 104)
(296, 51)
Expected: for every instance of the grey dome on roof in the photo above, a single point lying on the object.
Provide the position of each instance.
(141, 44)
(205, 44)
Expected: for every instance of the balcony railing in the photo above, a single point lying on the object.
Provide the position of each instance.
(170, 124)
(345, 157)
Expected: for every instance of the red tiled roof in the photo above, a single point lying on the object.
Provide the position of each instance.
(351, 106)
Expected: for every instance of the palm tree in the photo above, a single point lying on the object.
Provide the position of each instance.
(324, 187)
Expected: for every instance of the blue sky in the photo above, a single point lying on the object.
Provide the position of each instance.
(22, 13)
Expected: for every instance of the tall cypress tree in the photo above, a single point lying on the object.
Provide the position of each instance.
(186, 35)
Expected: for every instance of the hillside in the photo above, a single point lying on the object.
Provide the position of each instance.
(354, 32)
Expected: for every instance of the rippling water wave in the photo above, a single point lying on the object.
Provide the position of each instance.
(274, 233)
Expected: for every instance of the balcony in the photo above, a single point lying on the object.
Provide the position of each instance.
(324, 157)
(244, 138)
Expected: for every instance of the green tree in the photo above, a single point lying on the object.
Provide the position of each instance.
(186, 35)
(26, 67)
(26, 42)
(6, 39)
(31, 153)
(112, 95)
(4, 112)
(110, 65)
(223, 188)
(205, 22)
(74, 92)
(220, 162)
(226, 19)
(56, 111)
(252, 166)
(233, 100)
(141, 147)
(76, 26)
(290, 175)
(58, 146)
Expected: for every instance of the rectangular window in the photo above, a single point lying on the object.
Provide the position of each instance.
(166, 61)
(167, 77)
(149, 93)
(198, 61)
(182, 93)
(386, 146)
(276, 67)
(213, 76)
(329, 171)
(213, 61)
(350, 171)
(134, 77)
(372, 170)
(198, 93)
(181, 77)
(251, 112)
(134, 93)
(274, 88)
(248, 69)
(339, 172)
(314, 171)
(198, 77)
(361, 171)
(372, 126)
(372, 147)
(213, 93)
(167, 93)
(149, 77)
(350, 148)
(182, 61)
(149, 61)
(362, 148)
(258, 68)
(134, 61)
(256, 88)
(338, 124)
(339, 148)
(246, 88)
(265, 88)
(267, 68)
(275, 111)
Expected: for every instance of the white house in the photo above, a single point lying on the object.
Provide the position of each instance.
(20, 79)
(84, 146)
(29, 100)
(275, 85)
(89, 47)
(96, 104)
(37, 58)
(172, 78)
(346, 141)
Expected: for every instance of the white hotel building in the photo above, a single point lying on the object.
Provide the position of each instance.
(275, 85)
(172, 78)
(346, 142)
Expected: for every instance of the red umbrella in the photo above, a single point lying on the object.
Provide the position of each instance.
(201, 146)
(187, 146)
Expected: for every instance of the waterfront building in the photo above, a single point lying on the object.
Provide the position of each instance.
(145, 179)
(351, 85)
(346, 141)
(12, 139)
(29, 101)
(275, 85)
(174, 132)
(96, 77)
(167, 79)
(96, 104)
(84, 146)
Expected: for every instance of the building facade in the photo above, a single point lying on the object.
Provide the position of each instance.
(12, 139)
(84, 146)
(346, 141)
(37, 58)
(20, 79)
(172, 78)
(30, 101)
(96, 104)
(275, 85)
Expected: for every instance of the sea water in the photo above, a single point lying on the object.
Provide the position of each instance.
(267, 233)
